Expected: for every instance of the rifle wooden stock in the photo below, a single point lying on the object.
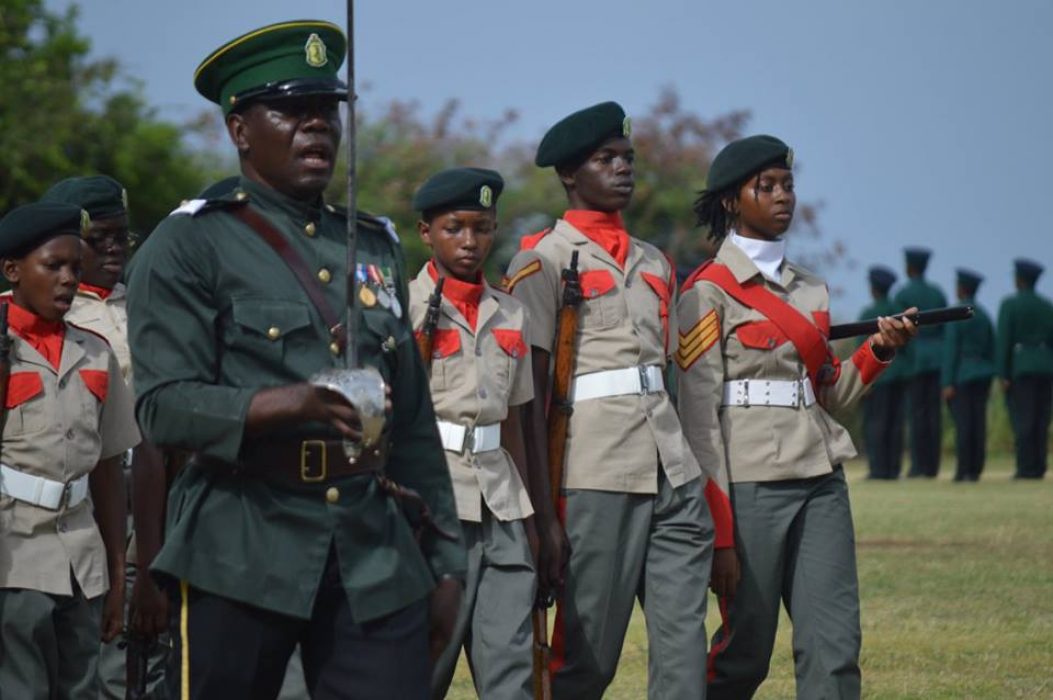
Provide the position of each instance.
(542, 655)
(922, 318)
(426, 336)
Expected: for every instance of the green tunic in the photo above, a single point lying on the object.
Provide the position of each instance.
(1025, 335)
(968, 349)
(898, 369)
(214, 316)
(925, 354)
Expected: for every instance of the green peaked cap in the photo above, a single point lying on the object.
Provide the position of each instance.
(459, 188)
(299, 57)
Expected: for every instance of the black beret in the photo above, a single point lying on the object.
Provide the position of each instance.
(578, 135)
(459, 188)
(740, 159)
(882, 277)
(100, 195)
(30, 225)
(969, 279)
(917, 257)
(1027, 269)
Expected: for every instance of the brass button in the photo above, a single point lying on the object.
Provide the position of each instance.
(324, 276)
(332, 494)
(241, 196)
(334, 347)
(389, 344)
(274, 332)
(309, 229)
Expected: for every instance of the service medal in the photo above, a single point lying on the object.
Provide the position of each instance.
(366, 296)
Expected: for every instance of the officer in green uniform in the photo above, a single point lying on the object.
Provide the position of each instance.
(274, 537)
(883, 404)
(922, 367)
(1025, 364)
(968, 366)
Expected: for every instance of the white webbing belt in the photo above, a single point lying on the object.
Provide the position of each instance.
(642, 379)
(40, 491)
(459, 438)
(768, 392)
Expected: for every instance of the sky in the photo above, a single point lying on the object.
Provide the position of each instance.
(913, 123)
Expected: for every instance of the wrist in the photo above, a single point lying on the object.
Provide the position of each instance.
(882, 353)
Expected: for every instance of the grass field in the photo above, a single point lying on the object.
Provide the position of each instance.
(956, 583)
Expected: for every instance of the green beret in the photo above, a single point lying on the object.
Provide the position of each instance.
(459, 188)
(100, 195)
(917, 257)
(1027, 269)
(31, 225)
(288, 59)
(881, 277)
(578, 135)
(969, 279)
(746, 157)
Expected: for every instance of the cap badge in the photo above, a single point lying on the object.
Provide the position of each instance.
(789, 157)
(85, 223)
(486, 196)
(627, 127)
(315, 51)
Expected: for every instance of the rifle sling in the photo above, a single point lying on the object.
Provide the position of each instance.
(272, 237)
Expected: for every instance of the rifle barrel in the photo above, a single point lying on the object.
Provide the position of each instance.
(922, 318)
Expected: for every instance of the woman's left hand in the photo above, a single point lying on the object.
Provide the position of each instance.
(893, 333)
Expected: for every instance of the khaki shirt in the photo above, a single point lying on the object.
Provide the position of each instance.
(722, 340)
(614, 443)
(475, 377)
(59, 429)
(108, 318)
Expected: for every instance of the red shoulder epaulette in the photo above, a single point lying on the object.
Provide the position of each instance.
(531, 241)
(695, 276)
(88, 330)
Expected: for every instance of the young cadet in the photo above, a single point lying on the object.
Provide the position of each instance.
(883, 404)
(968, 366)
(276, 537)
(68, 421)
(757, 381)
(633, 504)
(1025, 364)
(480, 377)
(922, 367)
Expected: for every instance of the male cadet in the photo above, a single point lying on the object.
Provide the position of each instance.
(921, 370)
(99, 306)
(968, 366)
(883, 404)
(274, 536)
(1025, 364)
(634, 510)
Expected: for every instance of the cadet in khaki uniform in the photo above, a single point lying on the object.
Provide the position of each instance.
(757, 381)
(480, 376)
(1025, 364)
(274, 536)
(968, 366)
(62, 504)
(634, 509)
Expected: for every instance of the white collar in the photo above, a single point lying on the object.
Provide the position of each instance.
(766, 255)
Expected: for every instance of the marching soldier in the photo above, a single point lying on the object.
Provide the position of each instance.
(633, 504)
(69, 420)
(274, 537)
(757, 381)
(922, 367)
(968, 366)
(1025, 364)
(883, 404)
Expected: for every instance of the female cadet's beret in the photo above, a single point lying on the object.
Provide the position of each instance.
(459, 188)
(100, 195)
(30, 225)
(579, 134)
(740, 159)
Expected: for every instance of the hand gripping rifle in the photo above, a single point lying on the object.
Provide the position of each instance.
(426, 335)
(920, 318)
(559, 410)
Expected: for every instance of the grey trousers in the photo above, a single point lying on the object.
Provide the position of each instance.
(624, 547)
(49, 645)
(796, 545)
(494, 623)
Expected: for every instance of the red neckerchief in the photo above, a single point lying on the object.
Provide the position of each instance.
(464, 296)
(102, 292)
(45, 336)
(603, 229)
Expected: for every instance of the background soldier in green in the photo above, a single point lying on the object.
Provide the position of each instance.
(275, 537)
(922, 360)
(1025, 364)
(883, 404)
(968, 366)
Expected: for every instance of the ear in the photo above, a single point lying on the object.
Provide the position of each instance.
(424, 229)
(237, 130)
(12, 270)
(566, 177)
(730, 204)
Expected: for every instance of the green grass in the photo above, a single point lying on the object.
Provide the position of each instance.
(956, 583)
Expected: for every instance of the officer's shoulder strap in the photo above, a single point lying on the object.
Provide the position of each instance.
(369, 222)
(199, 207)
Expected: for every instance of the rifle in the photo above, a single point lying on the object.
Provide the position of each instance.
(135, 672)
(559, 410)
(921, 318)
(426, 335)
(5, 365)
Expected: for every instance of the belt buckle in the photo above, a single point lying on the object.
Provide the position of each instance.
(307, 449)
(67, 495)
(645, 381)
(745, 393)
(468, 446)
